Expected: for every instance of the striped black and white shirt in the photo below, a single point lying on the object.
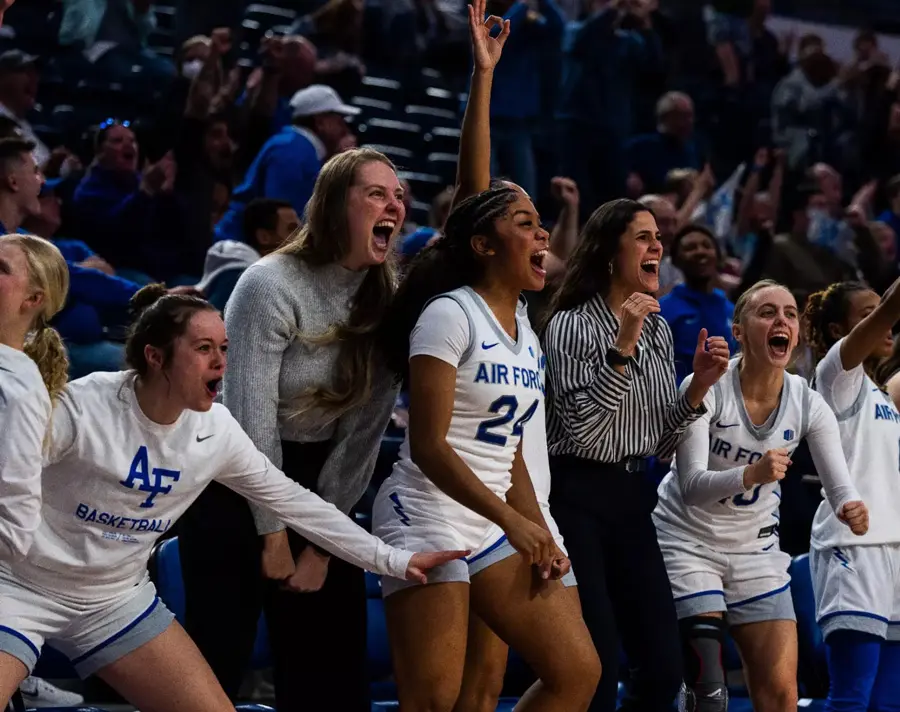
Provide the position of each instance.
(599, 414)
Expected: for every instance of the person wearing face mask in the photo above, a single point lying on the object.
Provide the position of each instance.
(697, 302)
(613, 405)
(288, 164)
(307, 384)
(717, 515)
(792, 259)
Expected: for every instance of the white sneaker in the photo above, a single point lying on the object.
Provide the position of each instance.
(40, 693)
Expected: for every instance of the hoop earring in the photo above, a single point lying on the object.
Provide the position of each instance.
(610, 268)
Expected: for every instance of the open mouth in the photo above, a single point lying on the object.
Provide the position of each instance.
(212, 387)
(537, 262)
(382, 233)
(650, 267)
(779, 344)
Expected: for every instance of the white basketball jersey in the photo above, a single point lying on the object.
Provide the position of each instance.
(870, 437)
(745, 522)
(498, 390)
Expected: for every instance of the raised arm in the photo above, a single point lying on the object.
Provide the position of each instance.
(473, 171)
(862, 340)
(24, 418)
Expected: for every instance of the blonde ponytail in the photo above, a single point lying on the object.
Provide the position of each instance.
(46, 349)
(48, 274)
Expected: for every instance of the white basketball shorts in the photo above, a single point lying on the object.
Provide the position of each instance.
(416, 520)
(747, 588)
(858, 588)
(92, 635)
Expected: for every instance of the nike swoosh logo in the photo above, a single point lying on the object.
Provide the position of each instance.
(722, 425)
(200, 440)
(485, 345)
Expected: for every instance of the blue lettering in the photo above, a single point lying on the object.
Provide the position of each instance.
(482, 375)
(884, 411)
(742, 453)
(118, 521)
(502, 374)
(150, 481)
(81, 511)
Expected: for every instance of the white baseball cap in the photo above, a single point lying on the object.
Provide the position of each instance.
(319, 99)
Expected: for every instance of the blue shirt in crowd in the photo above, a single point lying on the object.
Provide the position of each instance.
(286, 168)
(687, 311)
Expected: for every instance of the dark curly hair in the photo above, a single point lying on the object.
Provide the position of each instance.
(446, 265)
(829, 306)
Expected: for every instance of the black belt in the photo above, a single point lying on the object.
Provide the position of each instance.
(629, 465)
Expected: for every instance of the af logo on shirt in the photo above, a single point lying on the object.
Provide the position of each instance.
(144, 479)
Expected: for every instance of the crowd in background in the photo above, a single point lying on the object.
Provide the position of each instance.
(180, 144)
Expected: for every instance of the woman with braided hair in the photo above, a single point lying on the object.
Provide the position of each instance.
(457, 333)
(856, 579)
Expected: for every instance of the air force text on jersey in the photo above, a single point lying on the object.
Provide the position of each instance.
(501, 373)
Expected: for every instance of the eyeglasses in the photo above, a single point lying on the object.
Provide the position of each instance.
(110, 122)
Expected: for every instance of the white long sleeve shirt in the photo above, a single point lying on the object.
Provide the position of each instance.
(24, 418)
(115, 480)
(704, 498)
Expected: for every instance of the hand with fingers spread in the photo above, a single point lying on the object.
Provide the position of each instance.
(420, 564)
(486, 49)
(635, 311)
(710, 359)
(771, 467)
(856, 516)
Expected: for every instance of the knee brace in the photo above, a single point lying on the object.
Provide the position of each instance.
(705, 689)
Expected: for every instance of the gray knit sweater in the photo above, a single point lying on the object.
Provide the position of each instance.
(276, 300)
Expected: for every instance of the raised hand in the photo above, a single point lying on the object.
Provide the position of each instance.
(565, 190)
(635, 311)
(421, 563)
(856, 516)
(710, 358)
(486, 49)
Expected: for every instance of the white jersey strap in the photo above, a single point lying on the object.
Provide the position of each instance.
(804, 410)
(857, 404)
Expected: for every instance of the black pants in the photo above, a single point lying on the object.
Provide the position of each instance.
(604, 516)
(318, 640)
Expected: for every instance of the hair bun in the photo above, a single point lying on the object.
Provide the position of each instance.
(146, 297)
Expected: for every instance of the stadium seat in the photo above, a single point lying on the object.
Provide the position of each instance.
(812, 669)
(390, 132)
(425, 186)
(443, 139)
(382, 88)
(431, 117)
(165, 570)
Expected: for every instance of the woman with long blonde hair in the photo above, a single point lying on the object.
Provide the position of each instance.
(34, 282)
(305, 383)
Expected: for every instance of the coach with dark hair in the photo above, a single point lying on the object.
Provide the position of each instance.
(612, 404)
